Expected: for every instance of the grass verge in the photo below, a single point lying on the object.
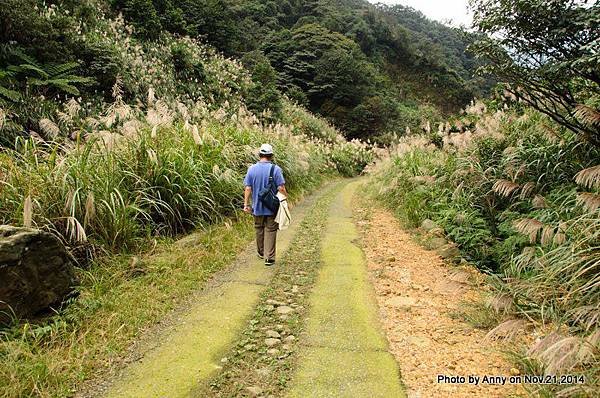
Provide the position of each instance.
(263, 359)
(119, 297)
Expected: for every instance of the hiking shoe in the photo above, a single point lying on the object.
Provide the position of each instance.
(269, 262)
(260, 256)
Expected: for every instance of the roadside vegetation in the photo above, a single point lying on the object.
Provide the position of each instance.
(514, 182)
(118, 153)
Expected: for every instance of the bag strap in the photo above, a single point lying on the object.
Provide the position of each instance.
(271, 172)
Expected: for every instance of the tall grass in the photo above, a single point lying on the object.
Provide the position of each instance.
(115, 189)
(519, 196)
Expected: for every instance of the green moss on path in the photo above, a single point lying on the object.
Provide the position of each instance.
(345, 353)
(190, 353)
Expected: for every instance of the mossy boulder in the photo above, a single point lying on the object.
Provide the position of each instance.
(36, 271)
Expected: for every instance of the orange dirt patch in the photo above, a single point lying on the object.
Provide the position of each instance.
(417, 294)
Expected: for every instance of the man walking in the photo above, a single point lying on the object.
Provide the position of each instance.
(256, 179)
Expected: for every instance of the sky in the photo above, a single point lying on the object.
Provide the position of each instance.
(440, 10)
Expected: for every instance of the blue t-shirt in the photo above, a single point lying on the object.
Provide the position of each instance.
(258, 178)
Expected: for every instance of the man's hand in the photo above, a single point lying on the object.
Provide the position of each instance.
(247, 195)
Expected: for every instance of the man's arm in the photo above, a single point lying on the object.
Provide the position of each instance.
(247, 196)
(283, 190)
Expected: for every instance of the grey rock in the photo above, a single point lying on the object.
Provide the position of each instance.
(449, 252)
(273, 334)
(254, 391)
(270, 342)
(290, 339)
(428, 225)
(436, 243)
(36, 271)
(284, 310)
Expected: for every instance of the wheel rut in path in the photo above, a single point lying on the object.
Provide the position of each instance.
(188, 353)
(344, 352)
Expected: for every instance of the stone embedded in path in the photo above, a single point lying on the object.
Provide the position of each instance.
(271, 342)
(254, 391)
(290, 339)
(284, 310)
(273, 351)
(273, 334)
(275, 302)
(402, 302)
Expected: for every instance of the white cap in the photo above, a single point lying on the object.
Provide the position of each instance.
(266, 149)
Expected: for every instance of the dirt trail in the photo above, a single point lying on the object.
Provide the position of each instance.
(343, 351)
(180, 357)
(418, 296)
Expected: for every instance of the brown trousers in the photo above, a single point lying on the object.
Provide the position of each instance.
(266, 235)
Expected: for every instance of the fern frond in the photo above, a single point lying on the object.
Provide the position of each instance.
(9, 94)
(41, 73)
(56, 70)
(589, 178)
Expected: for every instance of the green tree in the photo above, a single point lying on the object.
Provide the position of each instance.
(548, 53)
(143, 15)
(263, 95)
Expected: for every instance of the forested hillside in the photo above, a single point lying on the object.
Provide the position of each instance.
(371, 70)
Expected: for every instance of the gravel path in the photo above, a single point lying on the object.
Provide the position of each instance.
(418, 296)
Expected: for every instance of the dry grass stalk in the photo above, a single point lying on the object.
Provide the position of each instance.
(152, 156)
(527, 190)
(589, 178)
(539, 202)
(505, 188)
(90, 209)
(73, 107)
(589, 201)
(529, 227)
(151, 97)
(28, 212)
(507, 330)
(548, 233)
(75, 230)
(49, 128)
(117, 89)
(501, 303)
(562, 354)
(197, 139)
(587, 115)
